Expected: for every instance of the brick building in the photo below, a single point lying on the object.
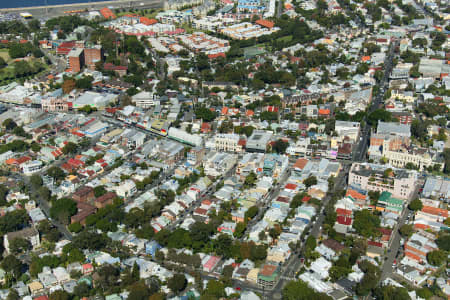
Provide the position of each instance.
(76, 59)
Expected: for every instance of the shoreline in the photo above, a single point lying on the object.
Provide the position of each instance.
(59, 9)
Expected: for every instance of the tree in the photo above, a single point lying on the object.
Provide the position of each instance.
(406, 230)
(56, 173)
(13, 295)
(2, 63)
(99, 191)
(13, 221)
(389, 292)
(299, 290)
(84, 83)
(250, 180)
(82, 290)
(9, 124)
(177, 283)
(68, 85)
(436, 257)
(379, 115)
(75, 227)
(416, 205)
(139, 291)
(70, 148)
(215, 289)
(310, 181)
(59, 295)
(12, 266)
(36, 181)
(205, 114)
(19, 245)
(63, 209)
(280, 146)
(365, 223)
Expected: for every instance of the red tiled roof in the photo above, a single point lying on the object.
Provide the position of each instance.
(354, 194)
(290, 186)
(300, 163)
(216, 55)
(265, 23)
(344, 220)
(147, 21)
(435, 211)
(376, 244)
(107, 13)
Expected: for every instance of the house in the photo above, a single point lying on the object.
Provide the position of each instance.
(29, 233)
(210, 262)
(321, 266)
(87, 269)
(35, 288)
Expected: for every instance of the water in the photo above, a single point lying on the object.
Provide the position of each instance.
(28, 3)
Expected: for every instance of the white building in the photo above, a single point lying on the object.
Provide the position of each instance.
(228, 142)
(31, 167)
(143, 99)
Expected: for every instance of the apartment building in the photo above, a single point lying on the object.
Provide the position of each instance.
(76, 59)
(251, 162)
(371, 177)
(93, 55)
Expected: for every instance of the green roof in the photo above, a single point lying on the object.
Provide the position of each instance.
(384, 196)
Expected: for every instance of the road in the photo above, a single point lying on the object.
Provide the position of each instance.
(387, 268)
(52, 11)
(360, 151)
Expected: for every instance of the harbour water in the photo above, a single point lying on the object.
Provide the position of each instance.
(30, 3)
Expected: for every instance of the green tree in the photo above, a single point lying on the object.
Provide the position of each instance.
(70, 148)
(250, 180)
(99, 191)
(215, 289)
(389, 292)
(310, 181)
(443, 241)
(62, 209)
(416, 205)
(366, 224)
(75, 227)
(280, 146)
(177, 283)
(436, 257)
(139, 291)
(12, 266)
(13, 295)
(19, 245)
(59, 295)
(406, 230)
(56, 173)
(9, 124)
(299, 290)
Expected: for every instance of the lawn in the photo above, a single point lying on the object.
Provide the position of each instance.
(4, 54)
(286, 38)
(151, 13)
